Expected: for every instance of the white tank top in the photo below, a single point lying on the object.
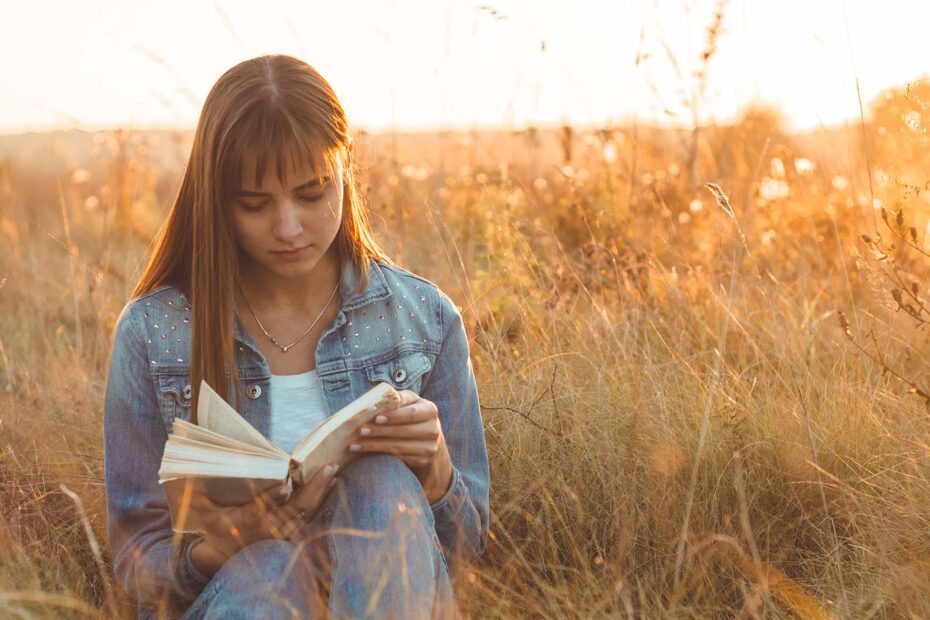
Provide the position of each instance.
(297, 407)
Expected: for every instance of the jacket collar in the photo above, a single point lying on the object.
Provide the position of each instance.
(377, 285)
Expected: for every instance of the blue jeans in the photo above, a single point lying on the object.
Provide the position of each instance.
(373, 542)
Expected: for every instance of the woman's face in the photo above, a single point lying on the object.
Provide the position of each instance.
(286, 229)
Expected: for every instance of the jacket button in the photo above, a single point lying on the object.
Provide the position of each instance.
(254, 391)
(400, 374)
(188, 392)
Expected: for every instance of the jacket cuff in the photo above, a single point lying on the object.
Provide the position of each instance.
(447, 507)
(191, 578)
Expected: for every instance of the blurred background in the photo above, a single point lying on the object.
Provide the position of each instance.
(459, 65)
(688, 238)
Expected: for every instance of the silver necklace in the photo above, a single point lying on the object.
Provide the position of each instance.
(272, 339)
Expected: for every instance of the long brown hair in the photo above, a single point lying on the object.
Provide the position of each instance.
(286, 108)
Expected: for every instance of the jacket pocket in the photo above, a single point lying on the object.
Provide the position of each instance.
(174, 397)
(404, 371)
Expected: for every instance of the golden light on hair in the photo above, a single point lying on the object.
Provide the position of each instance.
(287, 108)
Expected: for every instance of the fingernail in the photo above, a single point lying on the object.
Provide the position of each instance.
(380, 419)
(365, 431)
(335, 468)
(355, 447)
(333, 482)
(328, 470)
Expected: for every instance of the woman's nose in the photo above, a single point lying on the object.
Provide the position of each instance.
(287, 223)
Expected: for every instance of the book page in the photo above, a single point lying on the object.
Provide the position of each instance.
(184, 429)
(217, 415)
(221, 451)
(189, 457)
(326, 443)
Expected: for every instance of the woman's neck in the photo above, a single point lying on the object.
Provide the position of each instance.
(270, 291)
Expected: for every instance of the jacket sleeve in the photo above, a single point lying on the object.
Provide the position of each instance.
(461, 515)
(150, 560)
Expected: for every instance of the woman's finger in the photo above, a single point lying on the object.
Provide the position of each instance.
(407, 397)
(254, 514)
(428, 429)
(416, 461)
(309, 497)
(273, 496)
(291, 527)
(397, 447)
(418, 411)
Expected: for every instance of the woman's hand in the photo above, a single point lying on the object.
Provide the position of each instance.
(412, 433)
(270, 515)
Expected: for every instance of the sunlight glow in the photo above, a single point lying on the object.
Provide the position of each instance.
(445, 64)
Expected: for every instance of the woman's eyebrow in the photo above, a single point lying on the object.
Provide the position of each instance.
(317, 182)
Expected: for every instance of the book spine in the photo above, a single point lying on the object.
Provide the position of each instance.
(294, 475)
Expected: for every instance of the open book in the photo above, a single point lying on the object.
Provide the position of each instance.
(226, 458)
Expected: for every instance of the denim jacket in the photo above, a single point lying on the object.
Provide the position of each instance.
(401, 329)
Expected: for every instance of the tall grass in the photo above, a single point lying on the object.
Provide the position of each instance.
(677, 423)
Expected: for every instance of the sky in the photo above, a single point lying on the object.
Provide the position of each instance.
(454, 64)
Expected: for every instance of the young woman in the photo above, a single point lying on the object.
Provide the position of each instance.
(266, 282)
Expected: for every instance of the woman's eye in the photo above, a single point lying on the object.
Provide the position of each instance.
(252, 208)
(311, 198)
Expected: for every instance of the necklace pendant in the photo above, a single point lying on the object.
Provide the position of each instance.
(274, 340)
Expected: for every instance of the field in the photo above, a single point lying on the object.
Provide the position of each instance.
(696, 405)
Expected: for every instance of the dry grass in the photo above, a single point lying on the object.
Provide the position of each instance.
(678, 425)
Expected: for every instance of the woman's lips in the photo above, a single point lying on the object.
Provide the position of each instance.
(292, 254)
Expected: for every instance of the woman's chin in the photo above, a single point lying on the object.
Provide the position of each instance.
(292, 270)
(284, 266)
(295, 269)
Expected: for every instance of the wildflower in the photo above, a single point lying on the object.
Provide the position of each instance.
(80, 175)
(803, 166)
(773, 189)
(610, 152)
(778, 168)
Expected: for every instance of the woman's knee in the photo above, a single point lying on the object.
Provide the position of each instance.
(264, 577)
(383, 485)
(379, 471)
(269, 559)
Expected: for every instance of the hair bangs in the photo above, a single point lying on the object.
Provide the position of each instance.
(271, 142)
